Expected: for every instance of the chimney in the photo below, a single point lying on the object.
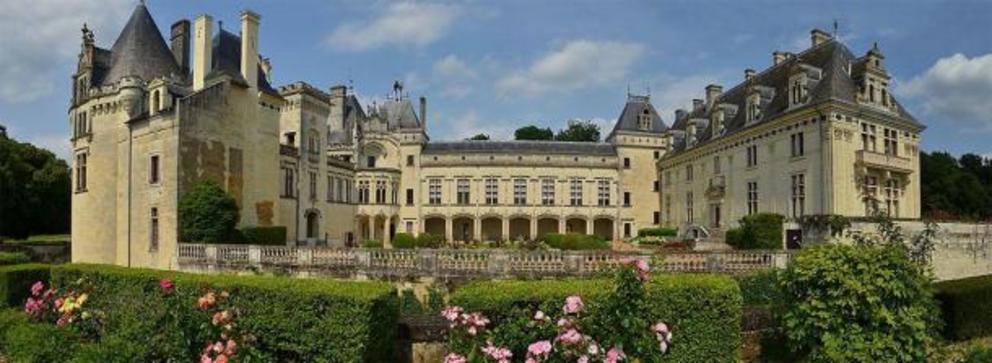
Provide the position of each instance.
(249, 47)
(423, 112)
(712, 92)
(818, 37)
(266, 66)
(179, 44)
(748, 74)
(696, 103)
(679, 114)
(202, 52)
(336, 118)
(779, 57)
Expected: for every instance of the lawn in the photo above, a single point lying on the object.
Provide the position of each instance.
(41, 239)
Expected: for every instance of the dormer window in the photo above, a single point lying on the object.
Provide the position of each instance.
(797, 89)
(644, 121)
(754, 107)
(717, 122)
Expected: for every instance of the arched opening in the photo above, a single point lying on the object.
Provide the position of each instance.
(434, 226)
(155, 102)
(520, 229)
(545, 226)
(313, 225)
(492, 229)
(575, 225)
(603, 227)
(463, 229)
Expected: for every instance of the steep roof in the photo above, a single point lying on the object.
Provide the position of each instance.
(226, 60)
(353, 114)
(631, 114)
(140, 51)
(399, 114)
(521, 147)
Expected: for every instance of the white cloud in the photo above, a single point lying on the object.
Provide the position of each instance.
(955, 88)
(41, 40)
(402, 24)
(577, 64)
(469, 124)
(454, 77)
(675, 92)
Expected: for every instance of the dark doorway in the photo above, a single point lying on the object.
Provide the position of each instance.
(793, 239)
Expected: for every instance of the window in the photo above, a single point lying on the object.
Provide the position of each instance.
(626, 163)
(463, 191)
(626, 199)
(341, 190)
(434, 191)
(754, 107)
(752, 198)
(409, 160)
(626, 230)
(409, 226)
(890, 141)
(519, 191)
(409, 196)
(575, 192)
(548, 191)
(363, 192)
(752, 156)
(656, 186)
(797, 142)
(331, 181)
(370, 162)
(645, 120)
(689, 210)
(657, 154)
(870, 194)
(656, 218)
(688, 172)
(153, 176)
(380, 192)
(868, 137)
(394, 193)
(81, 172)
(348, 190)
(603, 192)
(871, 93)
(153, 231)
(798, 195)
(313, 186)
(492, 191)
(288, 182)
(716, 165)
(892, 195)
(797, 91)
(668, 209)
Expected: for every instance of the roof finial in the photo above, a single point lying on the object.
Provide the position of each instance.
(835, 27)
(220, 25)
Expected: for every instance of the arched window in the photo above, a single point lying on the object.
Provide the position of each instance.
(155, 102)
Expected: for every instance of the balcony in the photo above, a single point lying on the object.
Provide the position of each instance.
(873, 160)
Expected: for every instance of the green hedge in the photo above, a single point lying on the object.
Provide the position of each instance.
(16, 281)
(24, 341)
(704, 310)
(293, 320)
(966, 306)
(269, 236)
(761, 231)
(657, 232)
(760, 288)
(404, 240)
(428, 240)
(14, 258)
(575, 241)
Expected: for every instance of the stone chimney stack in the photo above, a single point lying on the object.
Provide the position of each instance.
(748, 74)
(712, 92)
(423, 112)
(696, 103)
(818, 37)
(202, 49)
(179, 44)
(679, 114)
(779, 57)
(249, 47)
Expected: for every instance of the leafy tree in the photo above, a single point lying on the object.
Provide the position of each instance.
(533, 133)
(579, 130)
(479, 137)
(950, 191)
(207, 214)
(35, 189)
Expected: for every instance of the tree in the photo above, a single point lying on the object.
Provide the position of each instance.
(35, 188)
(207, 214)
(579, 130)
(951, 190)
(479, 137)
(533, 133)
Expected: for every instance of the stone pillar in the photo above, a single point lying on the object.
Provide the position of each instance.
(590, 226)
(562, 226)
(371, 228)
(449, 233)
(386, 238)
(477, 229)
(505, 232)
(533, 228)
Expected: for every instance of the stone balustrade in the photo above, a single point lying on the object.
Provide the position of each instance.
(455, 263)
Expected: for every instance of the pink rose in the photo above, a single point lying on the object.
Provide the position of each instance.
(167, 286)
(539, 316)
(583, 359)
(573, 304)
(204, 358)
(539, 349)
(221, 359)
(455, 358)
(231, 347)
(37, 288)
(570, 337)
(615, 355)
(451, 313)
(499, 354)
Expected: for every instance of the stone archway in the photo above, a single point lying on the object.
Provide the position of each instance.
(434, 226)
(463, 229)
(603, 227)
(575, 225)
(546, 225)
(313, 225)
(520, 229)
(492, 229)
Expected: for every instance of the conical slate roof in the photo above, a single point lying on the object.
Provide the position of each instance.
(140, 50)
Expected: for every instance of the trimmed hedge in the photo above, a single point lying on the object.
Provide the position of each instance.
(575, 241)
(293, 320)
(761, 231)
(966, 307)
(14, 258)
(657, 232)
(267, 236)
(704, 310)
(24, 341)
(760, 288)
(404, 240)
(16, 281)
(428, 240)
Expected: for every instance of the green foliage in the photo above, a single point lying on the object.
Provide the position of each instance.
(835, 224)
(575, 241)
(955, 189)
(657, 232)
(404, 240)
(24, 341)
(762, 231)
(13, 258)
(268, 236)
(479, 137)
(579, 130)
(409, 304)
(207, 214)
(371, 243)
(35, 187)
(16, 281)
(703, 310)
(978, 355)
(533, 133)
(760, 288)
(292, 320)
(428, 240)
(965, 307)
(857, 304)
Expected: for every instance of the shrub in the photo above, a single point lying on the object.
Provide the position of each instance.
(965, 307)
(207, 214)
(404, 240)
(757, 231)
(978, 355)
(575, 241)
(16, 281)
(291, 319)
(24, 341)
(704, 310)
(657, 232)
(760, 288)
(428, 240)
(371, 243)
(14, 258)
(269, 235)
(857, 304)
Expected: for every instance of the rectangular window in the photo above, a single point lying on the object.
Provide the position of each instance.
(394, 193)
(288, 182)
(668, 209)
(548, 191)
(409, 160)
(409, 196)
(520, 191)
(575, 192)
(716, 165)
(626, 163)
(380, 192)
(363, 192)
(688, 172)
(657, 154)
(870, 194)
(341, 197)
(463, 191)
(409, 226)
(657, 217)
(348, 190)
(893, 193)
(689, 210)
(752, 156)
(626, 199)
(626, 230)
(153, 231)
(891, 143)
(868, 137)
(81, 172)
(656, 186)
(798, 195)
(331, 181)
(798, 144)
(153, 176)
(492, 191)
(752, 198)
(434, 191)
(313, 186)
(603, 192)
(371, 162)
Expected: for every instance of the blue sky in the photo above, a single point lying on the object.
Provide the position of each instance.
(496, 65)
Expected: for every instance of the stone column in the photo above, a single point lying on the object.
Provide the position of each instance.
(386, 238)
(449, 233)
(590, 226)
(505, 232)
(562, 225)
(477, 229)
(371, 228)
(533, 228)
